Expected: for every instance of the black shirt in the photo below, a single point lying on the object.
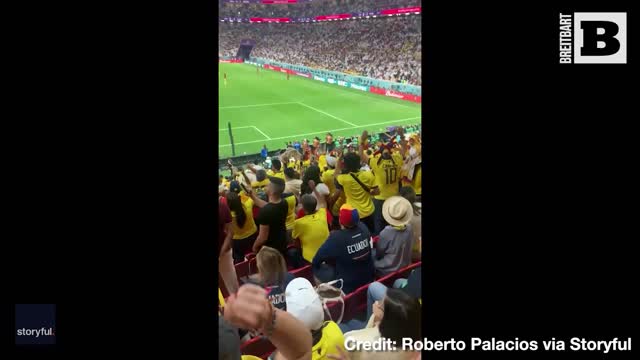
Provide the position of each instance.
(275, 216)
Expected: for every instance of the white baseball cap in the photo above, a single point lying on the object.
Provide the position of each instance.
(304, 303)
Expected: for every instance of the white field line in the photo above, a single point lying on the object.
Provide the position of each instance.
(255, 105)
(329, 115)
(239, 127)
(248, 127)
(260, 131)
(325, 131)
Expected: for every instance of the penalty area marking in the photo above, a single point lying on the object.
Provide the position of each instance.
(329, 115)
(248, 127)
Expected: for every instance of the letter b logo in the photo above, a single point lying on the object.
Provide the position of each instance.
(600, 38)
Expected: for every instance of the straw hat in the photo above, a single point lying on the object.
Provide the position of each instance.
(397, 211)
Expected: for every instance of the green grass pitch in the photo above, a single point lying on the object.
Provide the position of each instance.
(269, 109)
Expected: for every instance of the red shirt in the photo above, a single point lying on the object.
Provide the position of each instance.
(224, 217)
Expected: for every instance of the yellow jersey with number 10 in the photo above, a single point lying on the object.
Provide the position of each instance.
(387, 173)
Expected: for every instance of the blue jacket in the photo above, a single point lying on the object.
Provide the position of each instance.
(350, 251)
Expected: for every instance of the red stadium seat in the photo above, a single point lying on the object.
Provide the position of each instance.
(399, 274)
(304, 272)
(354, 303)
(258, 346)
(246, 268)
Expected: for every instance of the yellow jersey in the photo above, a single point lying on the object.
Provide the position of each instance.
(249, 227)
(260, 185)
(276, 174)
(291, 212)
(356, 196)
(332, 336)
(306, 164)
(312, 230)
(416, 183)
(417, 180)
(327, 178)
(322, 162)
(387, 174)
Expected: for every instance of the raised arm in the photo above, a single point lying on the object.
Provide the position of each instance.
(249, 308)
(364, 139)
(338, 164)
(246, 178)
(256, 200)
(403, 142)
(252, 168)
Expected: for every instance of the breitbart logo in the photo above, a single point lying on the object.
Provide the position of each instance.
(593, 38)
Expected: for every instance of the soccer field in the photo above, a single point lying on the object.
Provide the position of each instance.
(269, 109)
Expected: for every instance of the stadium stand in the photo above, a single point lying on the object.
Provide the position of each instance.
(387, 48)
(379, 48)
(310, 8)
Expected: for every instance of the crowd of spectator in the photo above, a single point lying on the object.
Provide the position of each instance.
(321, 209)
(310, 9)
(386, 48)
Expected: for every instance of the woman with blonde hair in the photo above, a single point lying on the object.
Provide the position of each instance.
(272, 275)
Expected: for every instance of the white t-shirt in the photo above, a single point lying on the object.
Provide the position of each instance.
(323, 190)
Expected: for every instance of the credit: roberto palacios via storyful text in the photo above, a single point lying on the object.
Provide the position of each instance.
(492, 344)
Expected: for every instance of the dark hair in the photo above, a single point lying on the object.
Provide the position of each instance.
(277, 188)
(408, 193)
(276, 164)
(235, 205)
(309, 203)
(290, 173)
(261, 175)
(402, 317)
(352, 162)
(312, 173)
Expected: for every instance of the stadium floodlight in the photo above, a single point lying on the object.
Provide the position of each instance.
(374, 15)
